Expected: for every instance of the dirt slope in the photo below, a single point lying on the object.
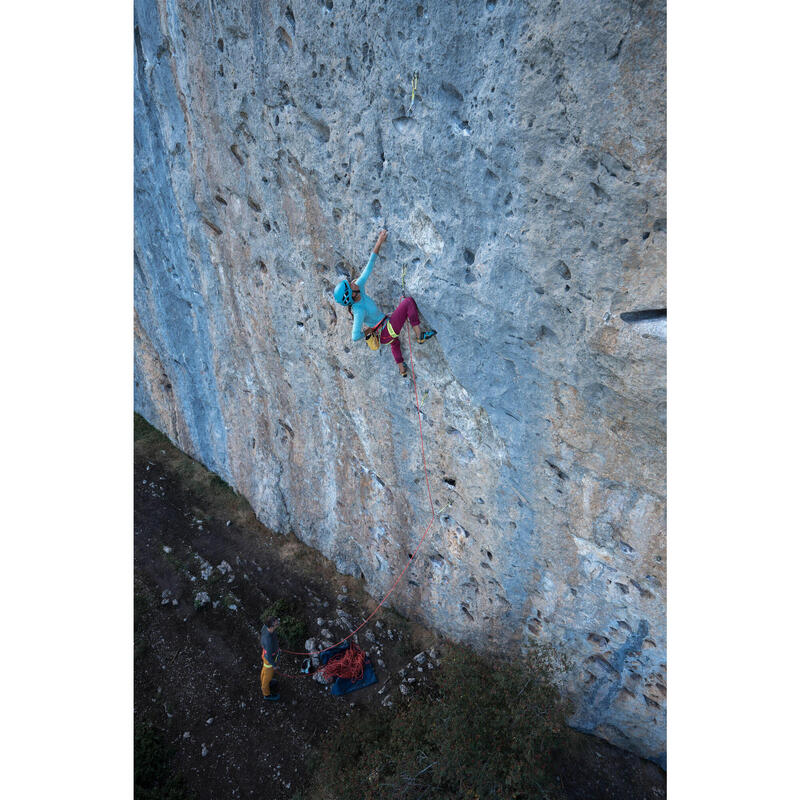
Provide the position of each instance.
(197, 669)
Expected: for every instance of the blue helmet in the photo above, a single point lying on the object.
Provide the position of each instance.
(342, 294)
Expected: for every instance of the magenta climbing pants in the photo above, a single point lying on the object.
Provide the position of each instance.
(407, 310)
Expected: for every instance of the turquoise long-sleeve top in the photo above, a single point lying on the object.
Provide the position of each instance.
(365, 311)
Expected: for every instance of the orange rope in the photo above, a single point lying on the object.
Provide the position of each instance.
(424, 535)
(349, 665)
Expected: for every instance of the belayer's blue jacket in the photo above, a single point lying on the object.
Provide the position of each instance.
(269, 646)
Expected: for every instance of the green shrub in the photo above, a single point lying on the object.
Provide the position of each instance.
(293, 630)
(483, 730)
(217, 496)
(153, 776)
(144, 431)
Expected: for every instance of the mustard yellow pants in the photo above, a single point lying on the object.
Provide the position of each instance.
(266, 676)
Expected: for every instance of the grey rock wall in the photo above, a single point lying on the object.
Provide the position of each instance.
(525, 201)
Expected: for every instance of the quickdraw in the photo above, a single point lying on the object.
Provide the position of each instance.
(414, 82)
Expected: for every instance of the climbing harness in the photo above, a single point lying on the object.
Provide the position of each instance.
(421, 541)
(267, 661)
(373, 335)
(414, 82)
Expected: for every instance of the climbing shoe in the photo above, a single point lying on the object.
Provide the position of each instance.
(425, 336)
(403, 370)
(272, 697)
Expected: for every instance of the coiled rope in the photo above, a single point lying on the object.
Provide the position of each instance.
(348, 665)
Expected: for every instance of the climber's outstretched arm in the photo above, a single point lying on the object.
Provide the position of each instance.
(381, 239)
(362, 279)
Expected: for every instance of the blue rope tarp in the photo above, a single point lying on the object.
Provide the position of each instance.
(343, 685)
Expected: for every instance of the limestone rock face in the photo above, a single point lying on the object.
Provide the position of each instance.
(524, 196)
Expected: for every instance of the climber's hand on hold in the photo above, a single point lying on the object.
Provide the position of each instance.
(381, 239)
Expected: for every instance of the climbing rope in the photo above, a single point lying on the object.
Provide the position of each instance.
(348, 665)
(424, 535)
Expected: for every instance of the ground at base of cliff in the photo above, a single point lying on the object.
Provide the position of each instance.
(205, 570)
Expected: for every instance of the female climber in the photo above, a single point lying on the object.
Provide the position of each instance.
(367, 319)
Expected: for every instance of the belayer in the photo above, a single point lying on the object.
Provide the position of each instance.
(367, 319)
(269, 656)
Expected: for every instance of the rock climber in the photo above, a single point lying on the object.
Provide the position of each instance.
(367, 319)
(269, 656)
